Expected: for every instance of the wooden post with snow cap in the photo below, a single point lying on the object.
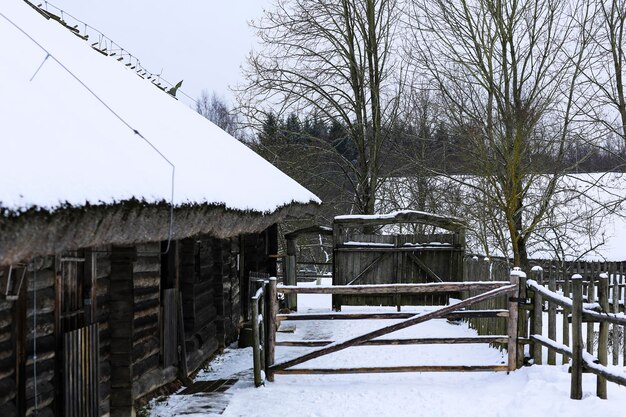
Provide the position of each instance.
(512, 322)
(537, 317)
(272, 310)
(576, 391)
(603, 338)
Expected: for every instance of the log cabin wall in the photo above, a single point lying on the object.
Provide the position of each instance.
(148, 372)
(8, 389)
(103, 298)
(40, 287)
(197, 265)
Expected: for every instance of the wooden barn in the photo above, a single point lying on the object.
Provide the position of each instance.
(128, 227)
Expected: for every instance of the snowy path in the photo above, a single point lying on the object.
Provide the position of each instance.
(538, 390)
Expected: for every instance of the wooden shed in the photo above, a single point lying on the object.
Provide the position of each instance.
(369, 249)
(128, 227)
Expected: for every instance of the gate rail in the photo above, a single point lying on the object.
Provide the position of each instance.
(493, 289)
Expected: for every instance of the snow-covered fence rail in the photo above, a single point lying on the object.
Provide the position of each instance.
(491, 289)
(589, 312)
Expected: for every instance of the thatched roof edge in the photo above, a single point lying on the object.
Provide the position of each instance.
(39, 232)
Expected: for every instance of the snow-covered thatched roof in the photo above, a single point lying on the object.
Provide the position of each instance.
(67, 134)
(92, 154)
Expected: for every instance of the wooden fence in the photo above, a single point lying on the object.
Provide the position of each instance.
(266, 311)
(583, 309)
(81, 372)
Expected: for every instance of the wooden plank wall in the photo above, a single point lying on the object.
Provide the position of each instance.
(43, 283)
(8, 389)
(146, 324)
(198, 293)
(103, 297)
(227, 290)
(479, 268)
(398, 267)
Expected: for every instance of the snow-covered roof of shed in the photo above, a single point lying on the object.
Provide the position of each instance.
(61, 144)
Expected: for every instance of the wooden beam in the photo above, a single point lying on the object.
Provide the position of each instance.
(462, 314)
(393, 369)
(434, 248)
(431, 287)
(420, 341)
(335, 347)
(408, 216)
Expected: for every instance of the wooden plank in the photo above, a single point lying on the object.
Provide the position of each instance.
(537, 318)
(389, 329)
(565, 313)
(512, 324)
(461, 314)
(256, 340)
(603, 337)
(430, 287)
(367, 268)
(394, 369)
(591, 298)
(576, 389)
(272, 324)
(424, 267)
(419, 341)
(436, 248)
(448, 223)
(551, 320)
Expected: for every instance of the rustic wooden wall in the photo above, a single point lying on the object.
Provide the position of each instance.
(391, 266)
(8, 389)
(103, 297)
(198, 292)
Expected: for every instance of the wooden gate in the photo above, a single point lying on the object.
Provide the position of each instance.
(81, 356)
(364, 256)
(492, 289)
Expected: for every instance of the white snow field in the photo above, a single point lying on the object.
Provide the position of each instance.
(538, 390)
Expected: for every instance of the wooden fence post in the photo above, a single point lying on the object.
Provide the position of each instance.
(552, 320)
(512, 322)
(566, 292)
(537, 317)
(522, 317)
(272, 310)
(615, 338)
(603, 339)
(576, 391)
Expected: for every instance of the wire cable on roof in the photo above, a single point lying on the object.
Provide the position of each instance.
(112, 111)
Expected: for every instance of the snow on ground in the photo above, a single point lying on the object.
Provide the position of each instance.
(537, 390)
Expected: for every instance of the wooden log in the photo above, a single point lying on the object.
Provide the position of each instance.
(551, 320)
(522, 318)
(512, 322)
(565, 312)
(396, 342)
(603, 338)
(551, 344)
(576, 389)
(256, 341)
(272, 310)
(394, 369)
(389, 329)
(431, 287)
(537, 318)
(382, 249)
(455, 315)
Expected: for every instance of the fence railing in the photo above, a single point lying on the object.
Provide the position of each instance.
(582, 309)
(456, 311)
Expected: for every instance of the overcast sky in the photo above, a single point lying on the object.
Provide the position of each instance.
(203, 42)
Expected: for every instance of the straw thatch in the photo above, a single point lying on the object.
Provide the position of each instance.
(37, 232)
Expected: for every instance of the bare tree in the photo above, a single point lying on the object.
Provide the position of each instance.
(508, 73)
(337, 58)
(214, 108)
